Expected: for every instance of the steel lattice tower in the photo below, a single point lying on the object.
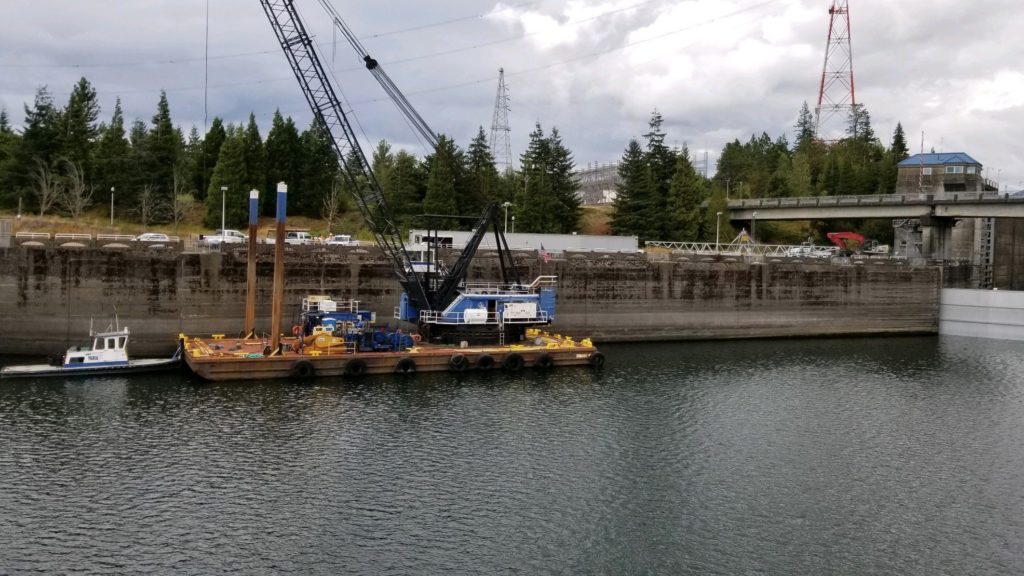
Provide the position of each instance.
(501, 145)
(836, 94)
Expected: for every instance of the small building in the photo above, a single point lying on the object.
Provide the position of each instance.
(552, 243)
(939, 173)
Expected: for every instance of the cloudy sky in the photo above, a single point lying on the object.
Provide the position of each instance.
(595, 69)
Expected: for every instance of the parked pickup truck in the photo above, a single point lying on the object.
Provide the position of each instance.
(223, 237)
(295, 237)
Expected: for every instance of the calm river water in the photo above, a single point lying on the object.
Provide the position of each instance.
(865, 456)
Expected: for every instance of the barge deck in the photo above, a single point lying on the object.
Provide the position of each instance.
(218, 358)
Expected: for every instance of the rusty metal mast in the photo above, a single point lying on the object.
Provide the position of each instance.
(836, 94)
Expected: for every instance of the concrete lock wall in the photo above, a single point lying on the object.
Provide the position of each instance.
(982, 314)
(49, 295)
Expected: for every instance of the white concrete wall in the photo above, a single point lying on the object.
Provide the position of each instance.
(982, 314)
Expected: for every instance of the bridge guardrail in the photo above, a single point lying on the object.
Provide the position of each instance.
(873, 199)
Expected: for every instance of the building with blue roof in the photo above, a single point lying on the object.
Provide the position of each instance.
(939, 173)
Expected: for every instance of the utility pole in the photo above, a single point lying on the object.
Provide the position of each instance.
(111, 206)
(223, 206)
(718, 220)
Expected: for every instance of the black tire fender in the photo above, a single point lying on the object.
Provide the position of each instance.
(513, 362)
(303, 369)
(485, 362)
(458, 363)
(544, 361)
(405, 366)
(597, 360)
(355, 367)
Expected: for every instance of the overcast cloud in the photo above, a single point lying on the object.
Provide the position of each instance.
(715, 69)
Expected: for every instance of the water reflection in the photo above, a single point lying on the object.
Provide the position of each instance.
(875, 455)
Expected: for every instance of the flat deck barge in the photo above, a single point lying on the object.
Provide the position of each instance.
(218, 358)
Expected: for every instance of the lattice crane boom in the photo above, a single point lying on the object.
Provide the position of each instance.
(320, 95)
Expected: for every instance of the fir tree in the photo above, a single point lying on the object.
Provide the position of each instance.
(482, 173)
(163, 144)
(318, 170)
(78, 129)
(212, 142)
(40, 144)
(804, 127)
(443, 179)
(631, 194)
(564, 187)
(407, 188)
(686, 192)
(660, 161)
(113, 155)
(283, 153)
(899, 144)
(231, 172)
(534, 201)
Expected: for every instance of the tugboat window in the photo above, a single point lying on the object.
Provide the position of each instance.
(120, 342)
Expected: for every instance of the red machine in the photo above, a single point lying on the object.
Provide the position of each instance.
(846, 241)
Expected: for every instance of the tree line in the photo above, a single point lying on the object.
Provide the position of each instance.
(662, 197)
(65, 159)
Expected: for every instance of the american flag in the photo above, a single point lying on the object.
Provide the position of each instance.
(544, 254)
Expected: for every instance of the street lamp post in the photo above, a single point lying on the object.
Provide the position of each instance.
(111, 206)
(506, 205)
(223, 205)
(718, 219)
(753, 228)
(513, 224)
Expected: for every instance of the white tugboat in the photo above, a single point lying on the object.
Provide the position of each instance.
(108, 354)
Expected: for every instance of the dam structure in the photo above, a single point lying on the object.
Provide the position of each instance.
(49, 293)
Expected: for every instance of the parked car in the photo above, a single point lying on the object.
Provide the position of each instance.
(291, 236)
(297, 237)
(152, 237)
(223, 237)
(342, 240)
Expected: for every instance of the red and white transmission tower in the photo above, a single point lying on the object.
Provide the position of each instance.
(501, 145)
(836, 94)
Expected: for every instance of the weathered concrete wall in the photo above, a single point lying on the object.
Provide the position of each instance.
(1008, 260)
(48, 295)
(982, 314)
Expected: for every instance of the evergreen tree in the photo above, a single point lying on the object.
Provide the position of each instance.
(631, 194)
(113, 155)
(898, 147)
(443, 175)
(534, 201)
(661, 164)
(9, 143)
(564, 187)
(804, 127)
(482, 173)
(163, 145)
(190, 166)
(212, 142)
(231, 172)
(859, 124)
(283, 153)
(407, 188)
(686, 192)
(318, 171)
(255, 159)
(40, 145)
(78, 129)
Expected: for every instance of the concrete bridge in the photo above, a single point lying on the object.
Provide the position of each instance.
(925, 206)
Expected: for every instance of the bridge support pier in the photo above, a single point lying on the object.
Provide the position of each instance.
(937, 238)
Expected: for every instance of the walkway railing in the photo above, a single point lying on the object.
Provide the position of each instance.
(745, 249)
